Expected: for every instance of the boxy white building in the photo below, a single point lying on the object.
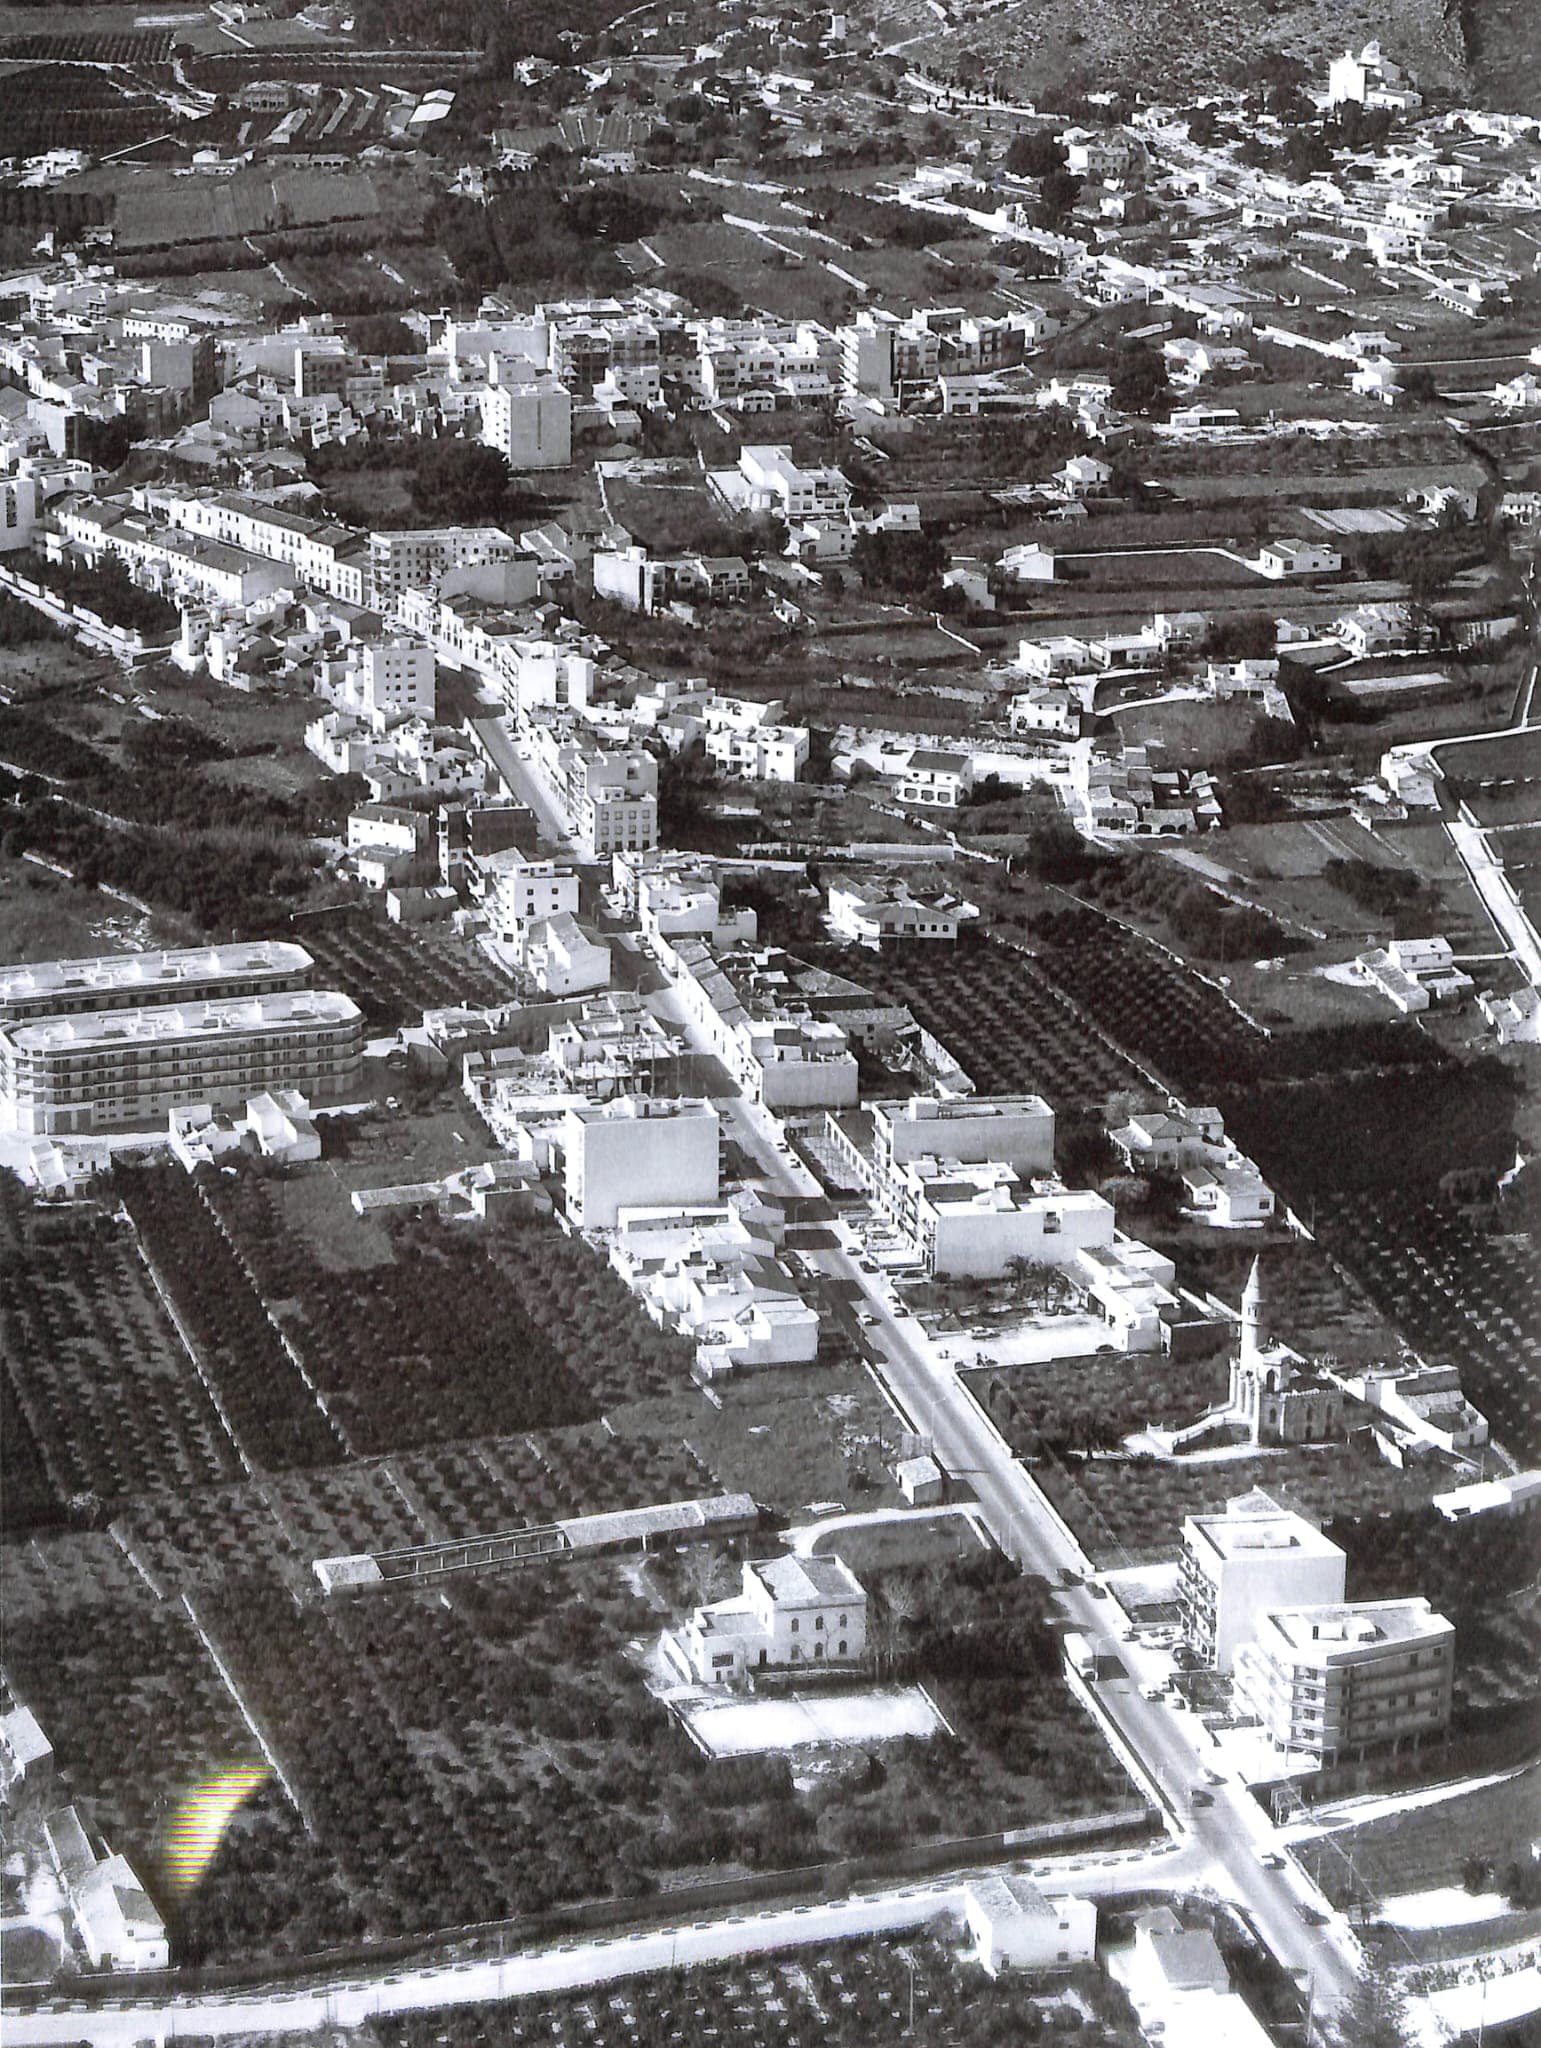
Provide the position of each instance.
(636, 1152)
(1253, 1559)
(527, 415)
(1016, 1927)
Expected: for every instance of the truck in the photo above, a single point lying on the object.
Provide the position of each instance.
(1082, 1655)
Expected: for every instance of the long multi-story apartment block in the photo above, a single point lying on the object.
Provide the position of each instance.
(137, 981)
(322, 554)
(97, 1070)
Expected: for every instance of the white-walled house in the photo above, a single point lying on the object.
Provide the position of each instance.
(1016, 1927)
(790, 1611)
(1281, 559)
(886, 908)
(1223, 1186)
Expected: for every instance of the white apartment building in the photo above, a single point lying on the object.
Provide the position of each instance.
(395, 676)
(773, 482)
(974, 1221)
(1013, 1130)
(415, 558)
(135, 981)
(1253, 1559)
(789, 1611)
(1336, 1680)
(527, 415)
(608, 795)
(635, 1152)
(519, 891)
(18, 512)
(94, 1070)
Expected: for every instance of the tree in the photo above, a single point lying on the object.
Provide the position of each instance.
(1374, 2015)
(1057, 195)
(1140, 381)
(1035, 154)
(460, 483)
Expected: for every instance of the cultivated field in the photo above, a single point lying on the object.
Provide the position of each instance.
(845, 1996)
(394, 975)
(1002, 1017)
(1129, 1511)
(1417, 1851)
(110, 1397)
(1461, 1297)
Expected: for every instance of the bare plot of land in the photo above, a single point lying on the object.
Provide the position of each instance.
(753, 1727)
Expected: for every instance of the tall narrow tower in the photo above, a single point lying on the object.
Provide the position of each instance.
(1251, 1346)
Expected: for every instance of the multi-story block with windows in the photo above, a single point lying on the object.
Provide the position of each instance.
(97, 1070)
(1254, 1559)
(135, 981)
(1335, 1681)
(608, 795)
(414, 558)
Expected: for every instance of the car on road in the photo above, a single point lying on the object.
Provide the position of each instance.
(1313, 1916)
(866, 1315)
(1271, 1860)
(1150, 1692)
(1200, 1797)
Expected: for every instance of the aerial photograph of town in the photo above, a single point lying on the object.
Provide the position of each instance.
(770, 1023)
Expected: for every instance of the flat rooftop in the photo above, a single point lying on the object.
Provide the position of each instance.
(1339, 1627)
(234, 1017)
(111, 973)
(1254, 1525)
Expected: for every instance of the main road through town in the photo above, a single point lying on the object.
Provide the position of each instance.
(1160, 1741)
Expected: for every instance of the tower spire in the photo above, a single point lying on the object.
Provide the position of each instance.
(1252, 1317)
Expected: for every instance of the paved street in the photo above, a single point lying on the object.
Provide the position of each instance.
(1232, 1830)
